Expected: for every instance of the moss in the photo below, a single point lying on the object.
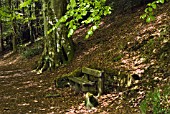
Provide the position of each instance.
(118, 57)
(62, 81)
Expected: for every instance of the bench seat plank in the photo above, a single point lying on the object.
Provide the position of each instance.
(92, 72)
(81, 81)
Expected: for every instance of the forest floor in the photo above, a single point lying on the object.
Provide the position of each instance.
(123, 42)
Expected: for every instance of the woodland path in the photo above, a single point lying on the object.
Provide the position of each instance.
(20, 91)
(23, 91)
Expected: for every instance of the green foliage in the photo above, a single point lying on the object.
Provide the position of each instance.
(155, 102)
(118, 57)
(149, 14)
(29, 52)
(83, 12)
(4, 14)
(27, 3)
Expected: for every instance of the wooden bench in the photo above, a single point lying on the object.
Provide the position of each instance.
(91, 81)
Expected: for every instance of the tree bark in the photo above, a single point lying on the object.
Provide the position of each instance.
(30, 23)
(14, 26)
(58, 48)
(1, 38)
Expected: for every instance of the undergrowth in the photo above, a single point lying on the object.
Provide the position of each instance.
(30, 51)
(156, 102)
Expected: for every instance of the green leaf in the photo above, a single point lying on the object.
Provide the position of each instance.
(162, 1)
(70, 12)
(73, 3)
(64, 18)
(146, 10)
(90, 32)
(54, 27)
(96, 18)
(68, 6)
(86, 37)
(148, 19)
(89, 20)
(154, 6)
(149, 4)
(150, 9)
(84, 13)
(143, 16)
(70, 33)
(152, 18)
(78, 17)
(74, 27)
(71, 24)
(24, 4)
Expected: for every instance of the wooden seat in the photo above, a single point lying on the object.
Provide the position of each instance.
(92, 80)
(81, 81)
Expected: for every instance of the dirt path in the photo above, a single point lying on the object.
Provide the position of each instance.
(17, 87)
(20, 90)
(23, 91)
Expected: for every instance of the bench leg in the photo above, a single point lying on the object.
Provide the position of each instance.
(77, 88)
(100, 86)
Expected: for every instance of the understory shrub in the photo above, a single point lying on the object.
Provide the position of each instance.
(31, 52)
(156, 102)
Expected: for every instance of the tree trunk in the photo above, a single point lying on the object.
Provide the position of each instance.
(14, 26)
(37, 15)
(58, 48)
(14, 44)
(1, 40)
(30, 23)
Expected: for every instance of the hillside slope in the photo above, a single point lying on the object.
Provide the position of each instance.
(123, 43)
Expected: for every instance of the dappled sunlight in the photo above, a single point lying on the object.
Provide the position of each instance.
(160, 18)
(90, 50)
(13, 60)
(108, 103)
(123, 43)
(8, 54)
(134, 61)
(86, 53)
(136, 64)
(14, 74)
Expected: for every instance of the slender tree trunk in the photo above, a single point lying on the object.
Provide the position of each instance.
(14, 44)
(58, 48)
(37, 15)
(14, 26)
(1, 38)
(30, 23)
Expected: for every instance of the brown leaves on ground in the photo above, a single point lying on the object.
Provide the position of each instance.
(123, 42)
